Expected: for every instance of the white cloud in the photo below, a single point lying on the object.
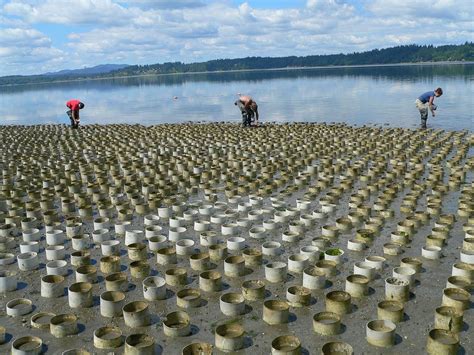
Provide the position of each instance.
(153, 31)
(164, 4)
(27, 50)
(69, 12)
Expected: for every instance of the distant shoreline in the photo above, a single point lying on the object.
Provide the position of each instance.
(248, 70)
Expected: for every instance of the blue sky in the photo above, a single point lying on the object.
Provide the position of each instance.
(38, 36)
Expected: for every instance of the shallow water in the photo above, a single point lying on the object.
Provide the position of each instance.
(367, 95)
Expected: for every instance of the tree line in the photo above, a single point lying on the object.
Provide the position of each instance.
(400, 54)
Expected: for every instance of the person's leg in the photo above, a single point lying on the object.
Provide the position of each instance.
(424, 117)
(250, 116)
(423, 108)
(69, 113)
(243, 112)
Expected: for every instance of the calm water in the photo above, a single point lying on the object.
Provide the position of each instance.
(369, 95)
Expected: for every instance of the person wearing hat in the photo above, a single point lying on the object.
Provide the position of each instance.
(73, 113)
(248, 107)
(426, 102)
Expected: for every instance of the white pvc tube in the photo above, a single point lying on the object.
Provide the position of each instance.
(154, 288)
(28, 261)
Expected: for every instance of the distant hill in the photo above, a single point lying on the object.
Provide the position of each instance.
(401, 54)
(98, 69)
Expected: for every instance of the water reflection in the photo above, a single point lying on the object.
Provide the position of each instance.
(382, 95)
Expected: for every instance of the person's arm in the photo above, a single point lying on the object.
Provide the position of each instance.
(430, 104)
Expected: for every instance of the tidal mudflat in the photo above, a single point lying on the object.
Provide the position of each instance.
(285, 239)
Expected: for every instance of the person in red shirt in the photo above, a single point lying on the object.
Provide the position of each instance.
(73, 113)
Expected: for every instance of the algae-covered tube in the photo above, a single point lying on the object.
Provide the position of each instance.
(52, 286)
(166, 256)
(139, 269)
(275, 312)
(286, 345)
(116, 282)
(157, 242)
(252, 257)
(414, 263)
(357, 285)
(234, 266)
(441, 341)
(448, 318)
(86, 273)
(298, 296)
(458, 282)
(456, 298)
(108, 337)
(139, 344)
(229, 337)
(390, 310)
(253, 290)
(381, 332)
(110, 264)
(136, 314)
(327, 323)
(217, 252)
(338, 302)
(336, 347)
(232, 304)
(78, 258)
(80, 295)
(197, 349)
(210, 281)
(328, 267)
(27, 345)
(63, 325)
(137, 251)
(176, 276)
(188, 298)
(41, 320)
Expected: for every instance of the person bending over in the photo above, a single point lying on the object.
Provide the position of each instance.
(426, 102)
(249, 109)
(73, 113)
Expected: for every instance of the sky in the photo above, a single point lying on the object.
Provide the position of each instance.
(38, 36)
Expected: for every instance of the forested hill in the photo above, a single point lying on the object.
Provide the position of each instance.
(393, 55)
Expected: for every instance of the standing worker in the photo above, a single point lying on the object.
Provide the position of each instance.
(249, 108)
(425, 103)
(73, 113)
